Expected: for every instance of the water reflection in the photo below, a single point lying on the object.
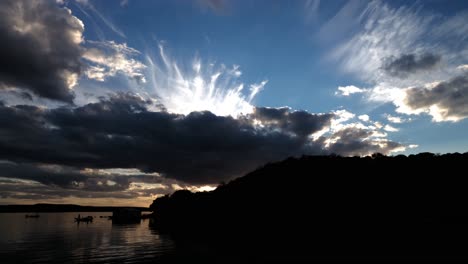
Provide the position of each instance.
(56, 238)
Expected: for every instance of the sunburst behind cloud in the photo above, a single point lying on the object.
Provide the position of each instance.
(204, 87)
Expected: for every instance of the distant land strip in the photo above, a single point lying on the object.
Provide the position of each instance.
(42, 207)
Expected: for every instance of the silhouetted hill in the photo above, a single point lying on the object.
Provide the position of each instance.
(59, 208)
(330, 207)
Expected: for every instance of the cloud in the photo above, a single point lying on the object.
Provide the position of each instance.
(311, 8)
(204, 87)
(300, 123)
(198, 148)
(463, 67)
(407, 64)
(348, 137)
(348, 90)
(390, 128)
(395, 119)
(40, 48)
(85, 4)
(454, 29)
(124, 3)
(18, 191)
(89, 180)
(344, 22)
(32, 182)
(446, 101)
(107, 59)
(357, 140)
(364, 118)
(392, 41)
(386, 32)
(393, 53)
(120, 132)
(216, 6)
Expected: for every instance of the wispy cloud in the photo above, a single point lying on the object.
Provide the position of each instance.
(344, 22)
(311, 9)
(107, 21)
(393, 53)
(216, 6)
(123, 3)
(205, 87)
(385, 32)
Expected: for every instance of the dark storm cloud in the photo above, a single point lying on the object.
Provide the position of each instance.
(39, 48)
(450, 97)
(30, 190)
(300, 123)
(50, 176)
(199, 148)
(408, 64)
(120, 133)
(69, 178)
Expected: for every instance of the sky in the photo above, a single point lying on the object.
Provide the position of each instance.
(120, 102)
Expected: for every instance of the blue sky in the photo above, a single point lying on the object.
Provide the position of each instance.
(293, 46)
(125, 100)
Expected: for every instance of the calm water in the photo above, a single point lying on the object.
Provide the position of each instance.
(55, 238)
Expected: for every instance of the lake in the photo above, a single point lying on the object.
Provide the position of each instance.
(56, 238)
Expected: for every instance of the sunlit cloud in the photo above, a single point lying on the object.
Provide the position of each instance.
(390, 128)
(204, 87)
(348, 90)
(349, 135)
(395, 119)
(108, 58)
(364, 118)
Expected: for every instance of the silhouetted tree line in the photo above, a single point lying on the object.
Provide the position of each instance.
(317, 207)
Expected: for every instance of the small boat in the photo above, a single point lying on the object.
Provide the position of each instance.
(86, 219)
(32, 216)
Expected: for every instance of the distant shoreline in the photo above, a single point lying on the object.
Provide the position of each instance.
(59, 208)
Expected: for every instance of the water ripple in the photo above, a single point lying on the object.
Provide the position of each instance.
(55, 238)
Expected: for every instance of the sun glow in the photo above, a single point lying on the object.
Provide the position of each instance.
(201, 88)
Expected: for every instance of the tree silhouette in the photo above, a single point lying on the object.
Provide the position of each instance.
(331, 206)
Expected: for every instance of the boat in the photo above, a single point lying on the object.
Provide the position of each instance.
(86, 219)
(32, 216)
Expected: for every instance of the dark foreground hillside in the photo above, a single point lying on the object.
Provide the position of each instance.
(329, 208)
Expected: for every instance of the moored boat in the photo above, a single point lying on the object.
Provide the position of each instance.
(86, 219)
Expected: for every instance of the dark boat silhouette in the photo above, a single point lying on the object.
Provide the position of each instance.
(32, 216)
(86, 219)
